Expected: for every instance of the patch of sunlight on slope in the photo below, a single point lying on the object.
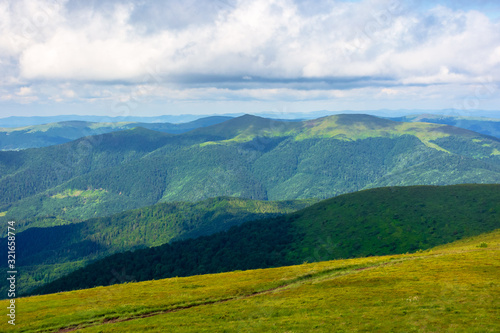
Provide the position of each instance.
(208, 143)
(32, 128)
(44, 128)
(329, 127)
(76, 193)
(335, 127)
(110, 125)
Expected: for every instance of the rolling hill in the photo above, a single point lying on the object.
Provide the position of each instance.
(37, 136)
(451, 288)
(367, 223)
(45, 254)
(246, 157)
(486, 126)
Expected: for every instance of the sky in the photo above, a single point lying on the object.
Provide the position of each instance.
(148, 58)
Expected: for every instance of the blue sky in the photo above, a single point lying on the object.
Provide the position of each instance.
(149, 58)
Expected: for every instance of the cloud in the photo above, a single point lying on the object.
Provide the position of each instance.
(264, 49)
(24, 91)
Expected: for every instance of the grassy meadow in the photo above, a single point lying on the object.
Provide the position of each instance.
(450, 288)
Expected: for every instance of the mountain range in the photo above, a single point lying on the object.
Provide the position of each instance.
(246, 157)
(124, 202)
(47, 134)
(37, 136)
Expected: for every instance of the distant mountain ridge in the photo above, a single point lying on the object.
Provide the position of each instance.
(247, 157)
(23, 121)
(15, 121)
(36, 136)
(486, 126)
(57, 133)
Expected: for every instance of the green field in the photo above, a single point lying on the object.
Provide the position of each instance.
(450, 288)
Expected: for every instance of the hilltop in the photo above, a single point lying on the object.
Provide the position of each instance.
(45, 132)
(483, 125)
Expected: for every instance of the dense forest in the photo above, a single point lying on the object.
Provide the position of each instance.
(47, 253)
(372, 222)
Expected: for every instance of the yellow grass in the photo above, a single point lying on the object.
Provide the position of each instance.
(452, 288)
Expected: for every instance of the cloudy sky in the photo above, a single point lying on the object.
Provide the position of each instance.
(117, 58)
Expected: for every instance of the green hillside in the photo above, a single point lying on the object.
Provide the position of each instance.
(45, 254)
(368, 223)
(29, 172)
(37, 136)
(246, 157)
(486, 126)
(451, 288)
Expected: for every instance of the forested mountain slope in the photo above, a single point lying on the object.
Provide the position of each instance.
(367, 223)
(44, 254)
(247, 157)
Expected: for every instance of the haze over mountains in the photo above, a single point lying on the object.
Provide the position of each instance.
(36, 136)
(15, 121)
(443, 289)
(24, 121)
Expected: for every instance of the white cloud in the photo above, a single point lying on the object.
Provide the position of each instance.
(24, 91)
(257, 49)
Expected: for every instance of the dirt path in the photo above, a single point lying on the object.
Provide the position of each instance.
(290, 284)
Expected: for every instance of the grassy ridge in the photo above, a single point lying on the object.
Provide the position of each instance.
(451, 288)
(371, 222)
(486, 126)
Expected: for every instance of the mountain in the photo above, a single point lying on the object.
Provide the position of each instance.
(372, 222)
(486, 126)
(446, 289)
(45, 254)
(16, 121)
(246, 157)
(56, 133)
